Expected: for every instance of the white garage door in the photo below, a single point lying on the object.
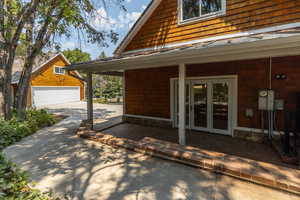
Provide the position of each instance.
(42, 96)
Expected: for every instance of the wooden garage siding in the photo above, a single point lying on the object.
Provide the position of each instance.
(241, 15)
(46, 77)
(148, 90)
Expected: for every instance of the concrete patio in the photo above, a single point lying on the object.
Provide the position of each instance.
(232, 158)
(78, 169)
(211, 142)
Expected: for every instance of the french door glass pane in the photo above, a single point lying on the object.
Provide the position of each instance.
(200, 105)
(210, 6)
(220, 106)
(190, 9)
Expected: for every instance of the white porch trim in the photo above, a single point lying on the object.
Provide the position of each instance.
(147, 117)
(256, 130)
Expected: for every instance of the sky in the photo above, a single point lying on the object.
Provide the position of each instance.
(111, 18)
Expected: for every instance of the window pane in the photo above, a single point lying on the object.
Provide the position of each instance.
(57, 70)
(190, 9)
(220, 105)
(200, 105)
(210, 6)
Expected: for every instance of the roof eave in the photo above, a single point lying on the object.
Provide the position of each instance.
(258, 49)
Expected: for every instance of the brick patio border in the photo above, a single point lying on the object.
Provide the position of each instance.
(245, 169)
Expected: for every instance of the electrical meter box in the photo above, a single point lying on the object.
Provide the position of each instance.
(266, 100)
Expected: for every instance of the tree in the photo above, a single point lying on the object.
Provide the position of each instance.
(13, 17)
(102, 55)
(77, 55)
(107, 86)
(42, 21)
(113, 87)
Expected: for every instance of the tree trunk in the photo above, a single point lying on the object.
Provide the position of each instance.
(1, 88)
(7, 92)
(22, 91)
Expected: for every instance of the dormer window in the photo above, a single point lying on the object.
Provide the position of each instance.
(191, 10)
(59, 70)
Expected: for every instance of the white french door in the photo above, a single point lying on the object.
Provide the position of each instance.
(209, 105)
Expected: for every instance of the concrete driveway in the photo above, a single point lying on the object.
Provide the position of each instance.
(71, 167)
(78, 110)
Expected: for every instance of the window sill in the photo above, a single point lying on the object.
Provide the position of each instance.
(199, 19)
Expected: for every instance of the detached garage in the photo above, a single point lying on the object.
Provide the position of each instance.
(50, 83)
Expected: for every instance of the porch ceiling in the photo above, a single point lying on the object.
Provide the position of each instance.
(273, 44)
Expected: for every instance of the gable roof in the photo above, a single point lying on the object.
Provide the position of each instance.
(137, 26)
(41, 62)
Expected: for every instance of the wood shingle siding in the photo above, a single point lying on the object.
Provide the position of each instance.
(148, 90)
(47, 77)
(241, 15)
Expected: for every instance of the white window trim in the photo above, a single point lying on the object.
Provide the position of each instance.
(60, 68)
(202, 17)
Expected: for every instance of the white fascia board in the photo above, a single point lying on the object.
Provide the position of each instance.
(259, 49)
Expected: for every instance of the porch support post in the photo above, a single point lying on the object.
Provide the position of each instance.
(90, 99)
(181, 103)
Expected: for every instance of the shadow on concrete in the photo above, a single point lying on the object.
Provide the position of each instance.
(79, 169)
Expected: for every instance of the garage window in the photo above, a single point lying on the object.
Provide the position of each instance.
(59, 70)
(192, 10)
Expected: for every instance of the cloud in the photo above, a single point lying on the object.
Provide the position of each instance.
(69, 45)
(128, 19)
(106, 22)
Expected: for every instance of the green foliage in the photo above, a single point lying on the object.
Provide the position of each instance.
(14, 183)
(77, 56)
(102, 55)
(109, 87)
(14, 130)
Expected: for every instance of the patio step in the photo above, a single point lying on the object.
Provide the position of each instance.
(266, 174)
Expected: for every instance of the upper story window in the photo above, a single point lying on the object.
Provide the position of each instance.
(59, 70)
(198, 9)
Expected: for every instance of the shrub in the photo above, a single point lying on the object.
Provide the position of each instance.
(39, 118)
(15, 129)
(8, 135)
(14, 183)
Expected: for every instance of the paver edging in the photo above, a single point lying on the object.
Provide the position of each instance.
(216, 165)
